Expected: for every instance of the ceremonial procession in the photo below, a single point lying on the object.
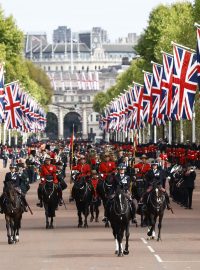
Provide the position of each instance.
(100, 135)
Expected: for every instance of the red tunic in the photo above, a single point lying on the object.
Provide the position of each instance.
(107, 167)
(143, 168)
(84, 169)
(48, 170)
(94, 183)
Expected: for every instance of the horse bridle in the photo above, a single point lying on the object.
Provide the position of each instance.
(159, 203)
(122, 213)
(51, 192)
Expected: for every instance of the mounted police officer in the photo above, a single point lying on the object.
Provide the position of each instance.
(156, 176)
(123, 181)
(13, 177)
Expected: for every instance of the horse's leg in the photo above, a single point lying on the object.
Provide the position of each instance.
(8, 229)
(159, 226)
(12, 225)
(51, 223)
(153, 227)
(126, 251)
(80, 222)
(92, 212)
(46, 215)
(119, 239)
(116, 241)
(97, 212)
(86, 213)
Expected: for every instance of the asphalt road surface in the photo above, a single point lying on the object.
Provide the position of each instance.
(68, 248)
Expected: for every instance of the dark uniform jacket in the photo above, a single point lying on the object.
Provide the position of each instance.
(189, 179)
(12, 177)
(154, 175)
(123, 181)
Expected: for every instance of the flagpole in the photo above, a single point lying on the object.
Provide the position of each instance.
(72, 147)
(183, 47)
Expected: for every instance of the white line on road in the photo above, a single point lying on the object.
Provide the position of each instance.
(158, 258)
(151, 249)
(144, 241)
(181, 261)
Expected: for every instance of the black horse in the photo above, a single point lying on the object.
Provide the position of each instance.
(120, 216)
(156, 204)
(138, 190)
(50, 199)
(13, 209)
(105, 189)
(82, 194)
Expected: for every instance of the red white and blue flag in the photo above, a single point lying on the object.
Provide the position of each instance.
(13, 111)
(198, 55)
(2, 103)
(147, 96)
(166, 85)
(184, 82)
(138, 90)
(156, 93)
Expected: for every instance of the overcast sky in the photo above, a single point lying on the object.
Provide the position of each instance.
(118, 17)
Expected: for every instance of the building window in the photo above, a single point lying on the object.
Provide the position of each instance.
(91, 130)
(49, 68)
(91, 118)
(80, 98)
(56, 68)
(61, 68)
(97, 118)
(82, 67)
(69, 67)
(88, 98)
(44, 68)
(72, 98)
(74, 67)
(99, 67)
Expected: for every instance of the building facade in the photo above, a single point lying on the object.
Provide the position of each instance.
(77, 72)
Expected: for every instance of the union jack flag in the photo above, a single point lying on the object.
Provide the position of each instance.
(156, 93)
(13, 110)
(147, 96)
(2, 104)
(184, 82)
(198, 54)
(137, 105)
(166, 85)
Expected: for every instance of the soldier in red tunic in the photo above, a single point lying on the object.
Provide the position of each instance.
(107, 167)
(83, 168)
(142, 167)
(48, 173)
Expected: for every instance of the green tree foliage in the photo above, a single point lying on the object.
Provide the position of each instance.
(32, 78)
(197, 11)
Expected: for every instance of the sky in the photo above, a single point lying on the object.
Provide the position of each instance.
(118, 17)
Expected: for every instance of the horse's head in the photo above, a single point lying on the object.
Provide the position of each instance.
(157, 198)
(10, 191)
(120, 202)
(108, 184)
(81, 188)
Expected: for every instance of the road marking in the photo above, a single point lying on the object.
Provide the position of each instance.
(144, 241)
(158, 258)
(151, 249)
(181, 261)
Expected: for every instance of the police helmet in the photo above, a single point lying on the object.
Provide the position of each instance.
(121, 166)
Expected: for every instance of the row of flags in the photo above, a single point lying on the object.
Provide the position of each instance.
(167, 93)
(18, 110)
(83, 81)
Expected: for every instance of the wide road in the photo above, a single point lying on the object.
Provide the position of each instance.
(69, 248)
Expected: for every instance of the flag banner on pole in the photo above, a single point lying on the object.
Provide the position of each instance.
(2, 94)
(138, 91)
(198, 55)
(166, 86)
(147, 96)
(156, 93)
(13, 112)
(184, 82)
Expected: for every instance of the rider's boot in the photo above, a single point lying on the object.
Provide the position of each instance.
(40, 204)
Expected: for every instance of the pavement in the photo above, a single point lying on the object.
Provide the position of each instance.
(67, 247)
